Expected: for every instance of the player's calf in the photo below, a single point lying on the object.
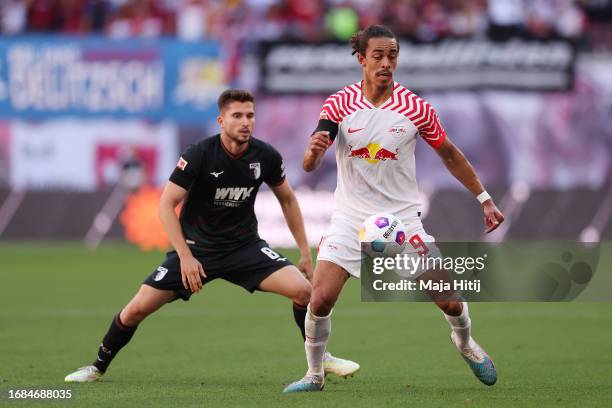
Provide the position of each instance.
(145, 302)
(117, 336)
(121, 331)
(302, 296)
(459, 321)
(300, 302)
(289, 282)
(452, 308)
(134, 313)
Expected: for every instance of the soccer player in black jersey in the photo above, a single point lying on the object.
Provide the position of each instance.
(216, 236)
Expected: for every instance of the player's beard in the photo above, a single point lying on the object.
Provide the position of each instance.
(241, 137)
(380, 81)
(383, 81)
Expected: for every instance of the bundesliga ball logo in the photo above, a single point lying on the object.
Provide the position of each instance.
(382, 235)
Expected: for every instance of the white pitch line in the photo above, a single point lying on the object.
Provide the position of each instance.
(9, 208)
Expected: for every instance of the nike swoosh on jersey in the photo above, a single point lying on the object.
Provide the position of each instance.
(354, 130)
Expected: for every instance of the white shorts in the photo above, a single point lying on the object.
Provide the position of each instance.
(341, 244)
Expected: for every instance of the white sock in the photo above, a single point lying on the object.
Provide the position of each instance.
(317, 334)
(461, 325)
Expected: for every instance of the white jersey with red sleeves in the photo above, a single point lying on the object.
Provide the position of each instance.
(375, 150)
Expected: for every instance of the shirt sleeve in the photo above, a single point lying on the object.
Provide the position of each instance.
(331, 109)
(430, 127)
(276, 173)
(187, 169)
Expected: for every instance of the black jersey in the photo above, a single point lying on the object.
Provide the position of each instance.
(218, 211)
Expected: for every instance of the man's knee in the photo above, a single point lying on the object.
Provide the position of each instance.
(321, 302)
(146, 301)
(133, 314)
(136, 311)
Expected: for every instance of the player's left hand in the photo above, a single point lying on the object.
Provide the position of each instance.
(492, 216)
(305, 265)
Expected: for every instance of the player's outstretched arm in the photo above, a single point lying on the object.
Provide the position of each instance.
(317, 146)
(191, 269)
(293, 215)
(459, 166)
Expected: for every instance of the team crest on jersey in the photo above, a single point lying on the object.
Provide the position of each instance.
(398, 131)
(161, 272)
(255, 170)
(182, 163)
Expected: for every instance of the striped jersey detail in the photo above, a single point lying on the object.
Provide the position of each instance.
(403, 101)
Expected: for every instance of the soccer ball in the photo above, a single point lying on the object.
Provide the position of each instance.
(382, 235)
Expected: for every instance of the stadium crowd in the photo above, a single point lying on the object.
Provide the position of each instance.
(316, 19)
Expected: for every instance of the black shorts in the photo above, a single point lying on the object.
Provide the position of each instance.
(247, 267)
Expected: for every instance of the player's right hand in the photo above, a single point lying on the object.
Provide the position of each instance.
(319, 142)
(191, 270)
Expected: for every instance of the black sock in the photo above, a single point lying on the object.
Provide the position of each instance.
(299, 313)
(116, 337)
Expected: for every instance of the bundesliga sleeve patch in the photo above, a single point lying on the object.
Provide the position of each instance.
(182, 163)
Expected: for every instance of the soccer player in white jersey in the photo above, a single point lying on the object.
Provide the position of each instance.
(375, 124)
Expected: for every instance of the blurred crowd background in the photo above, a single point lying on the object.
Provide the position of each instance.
(316, 19)
(241, 24)
(98, 98)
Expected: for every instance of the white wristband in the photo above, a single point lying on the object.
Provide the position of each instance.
(482, 197)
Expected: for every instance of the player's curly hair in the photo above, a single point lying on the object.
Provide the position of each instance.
(234, 95)
(359, 40)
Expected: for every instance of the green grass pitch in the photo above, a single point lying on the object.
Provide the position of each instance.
(226, 347)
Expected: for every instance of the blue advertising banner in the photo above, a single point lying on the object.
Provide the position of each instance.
(46, 77)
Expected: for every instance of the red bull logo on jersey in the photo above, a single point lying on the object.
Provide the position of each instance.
(372, 153)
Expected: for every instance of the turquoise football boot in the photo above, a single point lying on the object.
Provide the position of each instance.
(307, 384)
(479, 361)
